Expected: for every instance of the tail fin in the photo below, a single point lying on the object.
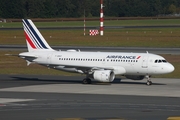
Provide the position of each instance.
(35, 41)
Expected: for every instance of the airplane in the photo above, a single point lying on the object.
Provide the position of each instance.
(99, 66)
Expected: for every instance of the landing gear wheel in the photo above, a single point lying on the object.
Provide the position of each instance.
(149, 83)
(86, 81)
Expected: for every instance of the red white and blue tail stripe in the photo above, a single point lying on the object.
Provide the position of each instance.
(35, 41)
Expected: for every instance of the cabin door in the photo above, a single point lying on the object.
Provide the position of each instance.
(145, 62)
(49, 58)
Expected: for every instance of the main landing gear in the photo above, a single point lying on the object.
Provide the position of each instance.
(86, 81)
(149, 82)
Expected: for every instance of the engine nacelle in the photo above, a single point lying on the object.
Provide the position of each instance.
(104, 75)
(135, 77)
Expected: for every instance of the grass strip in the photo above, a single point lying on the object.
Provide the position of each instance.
(149, 37)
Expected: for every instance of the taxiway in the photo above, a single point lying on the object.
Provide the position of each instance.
(53, 97)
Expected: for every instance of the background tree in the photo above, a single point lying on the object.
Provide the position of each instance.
(35, 8)
(50, 8)
(75, 8)
(172, 9)
(12, 8)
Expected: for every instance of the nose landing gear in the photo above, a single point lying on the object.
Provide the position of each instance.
(149, 82)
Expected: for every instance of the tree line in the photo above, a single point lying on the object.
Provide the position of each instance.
(89, 8)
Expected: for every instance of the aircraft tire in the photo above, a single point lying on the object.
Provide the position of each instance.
(149, 83)
(86, 81)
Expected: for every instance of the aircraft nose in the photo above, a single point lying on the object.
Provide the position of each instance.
(170, 68)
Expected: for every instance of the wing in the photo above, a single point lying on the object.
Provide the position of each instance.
(80, 69)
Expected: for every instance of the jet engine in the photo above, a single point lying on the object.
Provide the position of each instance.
(104, 75)
(135, 77)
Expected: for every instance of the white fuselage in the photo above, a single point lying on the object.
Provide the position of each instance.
(120, 62)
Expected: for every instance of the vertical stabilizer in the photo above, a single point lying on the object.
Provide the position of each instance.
(35, 41)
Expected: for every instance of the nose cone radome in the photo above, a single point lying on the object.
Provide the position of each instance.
(169, 68)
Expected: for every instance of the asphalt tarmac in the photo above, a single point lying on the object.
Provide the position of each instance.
(35, 97)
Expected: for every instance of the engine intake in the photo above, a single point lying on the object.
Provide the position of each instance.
(104, 75)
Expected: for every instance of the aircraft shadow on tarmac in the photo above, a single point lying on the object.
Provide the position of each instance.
(120, 81)
(37, 80)
(46, 81)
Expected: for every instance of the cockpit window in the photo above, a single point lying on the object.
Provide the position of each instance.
(160, 61)
(164, 61)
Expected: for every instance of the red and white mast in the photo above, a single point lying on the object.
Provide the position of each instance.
(101, 19)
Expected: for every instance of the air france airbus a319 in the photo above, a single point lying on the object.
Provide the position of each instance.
(100, 66)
